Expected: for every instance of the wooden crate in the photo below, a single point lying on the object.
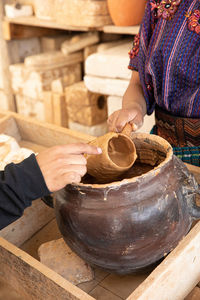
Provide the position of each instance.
(3, 114)
(34, 135)
(173, 279)
(37, 135)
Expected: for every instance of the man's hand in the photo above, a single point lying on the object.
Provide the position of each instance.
(61, 165)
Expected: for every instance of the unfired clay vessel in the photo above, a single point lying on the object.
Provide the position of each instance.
(131, 224)
(118, 155)
(126, 12)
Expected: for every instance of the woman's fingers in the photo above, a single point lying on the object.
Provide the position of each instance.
(120, 118)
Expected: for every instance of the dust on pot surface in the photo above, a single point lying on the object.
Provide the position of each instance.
(128, 225)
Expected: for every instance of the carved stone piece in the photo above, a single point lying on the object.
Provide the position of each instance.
(85, 107)
(59, 257)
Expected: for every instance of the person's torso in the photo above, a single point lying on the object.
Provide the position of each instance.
(171, 64)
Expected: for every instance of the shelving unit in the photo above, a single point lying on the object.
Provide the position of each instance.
(23, 27)
(33, 21)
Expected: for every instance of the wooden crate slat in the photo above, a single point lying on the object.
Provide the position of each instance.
(39, 133)
(32, 279)
(33, 219)
(19, 31)
(8, 126)
(177, 275)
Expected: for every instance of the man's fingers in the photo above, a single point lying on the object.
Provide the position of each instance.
(79, 169)
(72, 159)
(70, 177)
(80, 148)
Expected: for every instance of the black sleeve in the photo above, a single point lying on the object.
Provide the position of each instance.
(19, 185)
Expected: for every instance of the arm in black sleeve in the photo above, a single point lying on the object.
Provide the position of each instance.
(19, 185)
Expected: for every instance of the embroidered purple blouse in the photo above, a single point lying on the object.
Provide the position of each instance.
(166, 53)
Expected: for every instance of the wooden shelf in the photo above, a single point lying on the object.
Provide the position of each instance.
(33, 21)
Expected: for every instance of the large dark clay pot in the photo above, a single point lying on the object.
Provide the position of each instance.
(128, 225)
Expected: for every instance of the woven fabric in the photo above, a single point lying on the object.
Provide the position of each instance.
(167, 57)
(179, 132)
(190, 155)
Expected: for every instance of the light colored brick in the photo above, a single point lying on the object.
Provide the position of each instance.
(59, 257)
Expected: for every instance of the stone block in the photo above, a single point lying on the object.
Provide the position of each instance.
(30, 107)
(85, 107)
(111, 62)
(23, 11)
(53, 59)
(106, 86)
(19, 49)
(48, 106)
(59, 257)
(53, 43)
(60, 117)
(3, 101)
(92, 13)
(32, 83)
(87, 51)
(79, 42)
(95, 130)
(45, 9)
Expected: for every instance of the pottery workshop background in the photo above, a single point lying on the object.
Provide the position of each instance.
(63, 72)
(57, 75)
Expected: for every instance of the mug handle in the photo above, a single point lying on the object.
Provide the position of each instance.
(195, 209)
(48, 200)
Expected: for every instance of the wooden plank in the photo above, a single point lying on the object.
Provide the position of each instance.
(4, 65)
(18, 31)
(194, 295)
(33, 21)
(59, 110)
(48, 106)
(121, 29)
(3, 114)
(32, 279)
(177, 275)
(40, 133)
(34, 218)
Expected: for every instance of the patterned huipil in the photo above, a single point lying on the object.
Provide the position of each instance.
(166, 53)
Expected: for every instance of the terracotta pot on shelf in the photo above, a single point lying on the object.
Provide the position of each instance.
(126, 12)
(130, 224)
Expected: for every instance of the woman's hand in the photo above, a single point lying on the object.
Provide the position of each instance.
(119, 118)
(61, 165)
(133, 107)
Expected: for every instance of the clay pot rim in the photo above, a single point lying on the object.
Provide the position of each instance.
(142, 136)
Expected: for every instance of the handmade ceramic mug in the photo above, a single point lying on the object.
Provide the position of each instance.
(118, 155)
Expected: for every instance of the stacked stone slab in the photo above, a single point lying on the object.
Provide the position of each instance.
(87, 111)
(18, 50)
(91, 13)
(31, 79)
(107, 73)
